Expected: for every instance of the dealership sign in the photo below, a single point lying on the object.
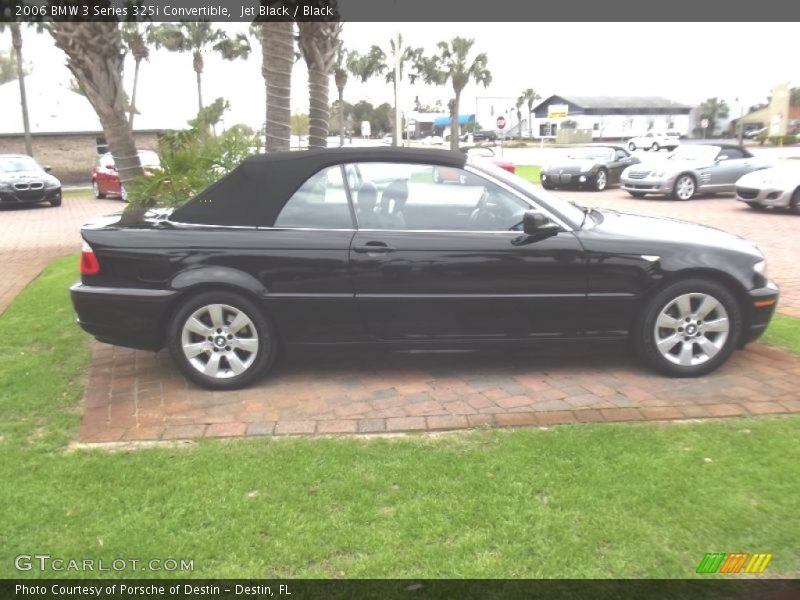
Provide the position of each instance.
(557, 111)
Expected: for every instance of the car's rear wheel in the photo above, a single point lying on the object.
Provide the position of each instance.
(601, 180)
(655, 147)
(794, 204)
(689, 328)
(631, 146)
(221, 340)
(637, 194)
(96, 190)
(685, 188)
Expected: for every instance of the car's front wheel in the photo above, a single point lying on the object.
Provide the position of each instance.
(56, 201)
(756, 205)
(601, 180)
(547, 185)
(794, 204)
(689, 328)
(685, 188)
(631, 146)
(655, 147)
(221, 340)
(637, 194)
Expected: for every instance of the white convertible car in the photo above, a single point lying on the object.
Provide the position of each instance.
(777, 187)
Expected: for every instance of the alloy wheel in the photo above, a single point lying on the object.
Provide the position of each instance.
(691, 329)
(685, 187)
(600, 181)
(220, 341)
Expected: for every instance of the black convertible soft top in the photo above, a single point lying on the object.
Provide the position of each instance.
(255, 192)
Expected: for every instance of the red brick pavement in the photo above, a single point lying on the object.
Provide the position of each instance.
(33, 236)
(135, 395)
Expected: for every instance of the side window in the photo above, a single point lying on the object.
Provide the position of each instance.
(731, 153)
(320, 203)
(620, 154)
(429, 197)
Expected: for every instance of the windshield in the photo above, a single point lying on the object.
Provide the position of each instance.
(695, 153)
(567, 210)
(589, 153)
(18, 164)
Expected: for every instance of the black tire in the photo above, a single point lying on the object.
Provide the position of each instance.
(655, 147)
(601, 181)
(756, 206)
(631, 146)
(644, 332)
(639, 195)
(794, 203)
(55, 201)
(675, 189)
(96, 190)
(266, 335)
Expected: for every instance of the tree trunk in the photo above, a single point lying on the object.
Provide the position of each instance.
(530, 121)
(133, 92)
(94, 56)
(454, 129)
(277, 48)
(395, 132)
(341, 115)
(318, 108)
(198, 69)
(16, 37)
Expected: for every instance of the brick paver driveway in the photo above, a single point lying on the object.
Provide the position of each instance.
(135, 395)
(32, 236)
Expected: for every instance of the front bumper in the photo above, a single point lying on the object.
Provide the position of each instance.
(10, 196)
(130, 317)
(765, 197)
(648, 185)
(761, 304)
(559, 178)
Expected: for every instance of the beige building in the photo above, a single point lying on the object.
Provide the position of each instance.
(780, 117)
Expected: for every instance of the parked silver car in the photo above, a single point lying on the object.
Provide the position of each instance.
(777, 187)
(691, 169)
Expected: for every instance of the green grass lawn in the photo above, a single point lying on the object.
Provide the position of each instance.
(617, 500)
(529, 172)
(783, 332)
(76, 194)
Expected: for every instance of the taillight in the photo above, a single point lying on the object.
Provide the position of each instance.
(89, 264)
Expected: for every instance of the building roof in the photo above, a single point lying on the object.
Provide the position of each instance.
(56, 109)
(617, 102)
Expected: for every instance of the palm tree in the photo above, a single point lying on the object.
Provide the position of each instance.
(319, 42)
(518, 105)
(16, 42)
(529, 96)
(95, 58)
(402, 55)
(277, 59)
(197, 38)
(362, 66)
(133, 38)
(452, 63)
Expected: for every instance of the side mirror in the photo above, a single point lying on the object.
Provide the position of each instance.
(47, 169)
(535, 223)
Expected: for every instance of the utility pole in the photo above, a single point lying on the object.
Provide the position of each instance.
(398, 134)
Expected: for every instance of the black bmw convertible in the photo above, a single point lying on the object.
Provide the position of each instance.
(361, 246)
(591, 167)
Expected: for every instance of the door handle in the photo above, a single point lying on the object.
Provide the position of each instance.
(373, 247)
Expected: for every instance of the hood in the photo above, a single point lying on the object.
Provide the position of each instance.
(33, 175)
(572, 164)
(780, 177)
(662, 229)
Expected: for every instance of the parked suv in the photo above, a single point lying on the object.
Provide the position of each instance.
(655, 141)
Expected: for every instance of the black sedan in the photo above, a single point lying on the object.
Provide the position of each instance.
(484, 135)
(23, 181)
(360, 246)
(595, 167)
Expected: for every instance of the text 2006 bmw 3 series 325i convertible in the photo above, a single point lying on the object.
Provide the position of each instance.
(374, 246)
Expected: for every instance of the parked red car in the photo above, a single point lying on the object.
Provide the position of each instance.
(105, 178)
(443, 174)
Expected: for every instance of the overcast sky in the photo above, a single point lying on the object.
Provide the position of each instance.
(684, 62)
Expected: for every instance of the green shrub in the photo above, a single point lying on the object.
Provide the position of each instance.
(783, 140)
(193, 159)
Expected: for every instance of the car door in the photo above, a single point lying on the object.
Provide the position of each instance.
(730, 165)
(445, 261)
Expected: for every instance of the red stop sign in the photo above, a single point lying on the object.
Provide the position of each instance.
(501, 122)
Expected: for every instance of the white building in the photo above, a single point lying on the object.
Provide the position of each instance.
(610, 117)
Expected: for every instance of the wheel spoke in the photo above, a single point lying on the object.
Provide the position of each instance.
(707, 346)
(668, 343)
(215, 312)
(237, 366)
(720, 325)
(667, 322)
(706, 306)
(192, 350)
(212, 366)
(238, 323)
(687, 353)
(196, 326)
(684, 306)
(247, 344)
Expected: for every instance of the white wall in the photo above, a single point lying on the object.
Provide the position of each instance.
(622, 126)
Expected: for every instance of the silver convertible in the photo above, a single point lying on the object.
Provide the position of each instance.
(691, 169)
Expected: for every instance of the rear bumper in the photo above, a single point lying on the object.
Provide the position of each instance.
(761, 306)
(135, 318)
